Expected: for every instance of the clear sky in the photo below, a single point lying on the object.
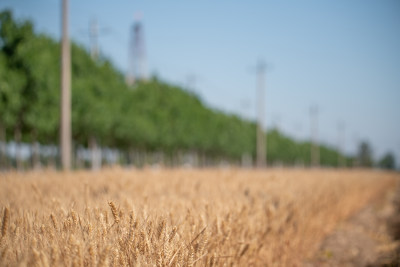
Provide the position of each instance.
(343, 56)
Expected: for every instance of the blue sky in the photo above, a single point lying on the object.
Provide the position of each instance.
(340, 55)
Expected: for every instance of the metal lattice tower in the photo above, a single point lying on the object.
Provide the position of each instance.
(137, 53)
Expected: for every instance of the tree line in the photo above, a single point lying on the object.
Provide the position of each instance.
(151, 116)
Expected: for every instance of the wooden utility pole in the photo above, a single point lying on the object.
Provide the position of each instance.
(3, 148)
(261, 136)
(314, 136)
(341, 159)
(65, 127)
(94, 52)
(93, 36)
(191, 80)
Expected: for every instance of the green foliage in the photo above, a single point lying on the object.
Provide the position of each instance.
(387, 161)
(11, 85)
(29, 80)
(42, 71)
(96, 90)
(150, 116)
(364, 155)
(285, 150)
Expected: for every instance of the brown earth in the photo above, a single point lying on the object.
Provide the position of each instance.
(369, 238)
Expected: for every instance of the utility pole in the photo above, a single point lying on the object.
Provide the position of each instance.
(261, 136)
(356, 160)
(341, 130)
(191, 80)
(93, 36)
(314, 136)
(94, 52)
(65, 131)
(398, 163)
(94, 31)
(276, 121)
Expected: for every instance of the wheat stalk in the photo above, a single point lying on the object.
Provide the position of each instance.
(114, 211)
(6, 219)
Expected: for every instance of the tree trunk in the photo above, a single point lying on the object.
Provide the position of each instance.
(3, 148)
(35, 152)
(246, 161)
(51, 159)
(36, 156)
(78, 159)
(132, 157)
(96, 153)
(17, 139)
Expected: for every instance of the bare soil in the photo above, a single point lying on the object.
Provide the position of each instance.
(369, 238)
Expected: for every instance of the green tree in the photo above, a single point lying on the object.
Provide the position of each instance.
(14, 80)
(364, 155)
(41, 67)
(13, 37)
(387, 161)
(150, 116)
(11, 85)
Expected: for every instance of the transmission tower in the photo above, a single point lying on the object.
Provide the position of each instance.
(137, 53)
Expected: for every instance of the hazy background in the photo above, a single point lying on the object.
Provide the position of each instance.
(340, 55)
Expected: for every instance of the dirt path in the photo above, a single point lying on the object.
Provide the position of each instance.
(369, 238)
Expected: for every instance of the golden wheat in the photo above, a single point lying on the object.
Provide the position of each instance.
(167, 217)
(6, 218)
(114, 211)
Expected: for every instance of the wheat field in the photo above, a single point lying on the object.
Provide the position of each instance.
(177, 217)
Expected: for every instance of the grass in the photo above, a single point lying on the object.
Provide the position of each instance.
(147, 217)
